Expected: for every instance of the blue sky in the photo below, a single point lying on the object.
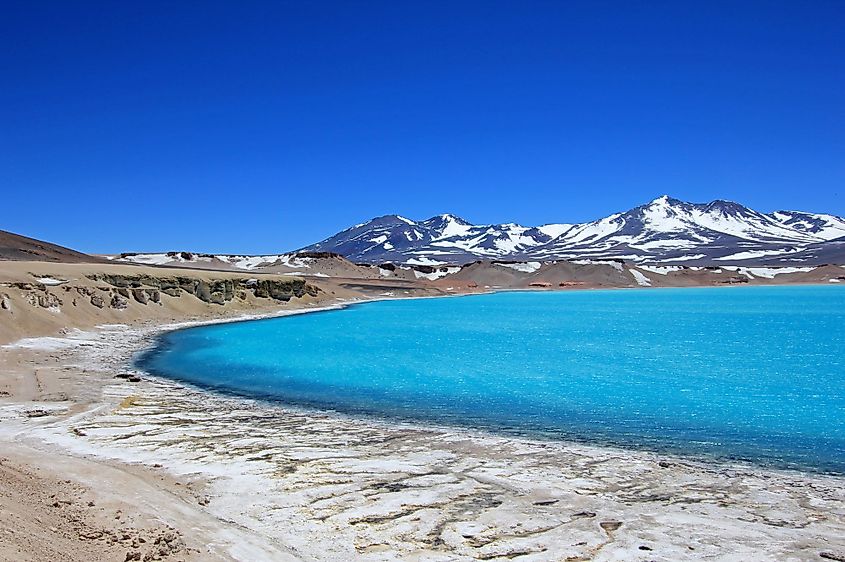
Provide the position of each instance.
(259, 127)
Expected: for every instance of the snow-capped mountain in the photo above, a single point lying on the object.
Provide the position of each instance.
(664, 230)
(444, 238)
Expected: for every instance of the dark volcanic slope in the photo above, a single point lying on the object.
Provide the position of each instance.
(14, 247)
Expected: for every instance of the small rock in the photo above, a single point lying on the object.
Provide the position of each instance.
(49, 300)
(217, 298)
(91, 535)
(36, 413)
(44, 301)
(837, 556)
(610, 526)
(119, 302)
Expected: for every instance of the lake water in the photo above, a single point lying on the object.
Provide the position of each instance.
(750, 373)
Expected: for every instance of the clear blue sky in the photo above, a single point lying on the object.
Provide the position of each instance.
(264, 126)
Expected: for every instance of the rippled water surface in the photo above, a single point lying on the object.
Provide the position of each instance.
(751, 373)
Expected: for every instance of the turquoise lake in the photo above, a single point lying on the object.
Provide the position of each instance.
(742, 373)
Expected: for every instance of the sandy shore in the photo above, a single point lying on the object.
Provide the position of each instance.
(101, 468)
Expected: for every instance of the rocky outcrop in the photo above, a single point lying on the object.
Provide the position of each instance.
(147, 288)
(120, 292)
(140, 295)
(217, 292)
(283, 290)
(44, 299)
(427, 269)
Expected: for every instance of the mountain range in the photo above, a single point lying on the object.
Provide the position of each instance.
(665, 230)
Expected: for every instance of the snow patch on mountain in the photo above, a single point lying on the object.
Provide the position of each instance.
(661, 269)
(424, 261)
(244, 262)
(614, 264)
(640, 278)
(163, 258)
(767, 272)
(554, 230)
(437, 274)
(525, 267)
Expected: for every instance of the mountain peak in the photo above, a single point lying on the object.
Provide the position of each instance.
(726, 206)
(390, 219)
(664, 200)
(448, 217)
(447, 225)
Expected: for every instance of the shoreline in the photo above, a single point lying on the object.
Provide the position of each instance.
(702, 459)
(532, 469)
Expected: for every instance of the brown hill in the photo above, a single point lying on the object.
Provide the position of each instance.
(14, 247)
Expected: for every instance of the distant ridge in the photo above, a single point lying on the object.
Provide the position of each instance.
(665, 230)
(14, 247)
